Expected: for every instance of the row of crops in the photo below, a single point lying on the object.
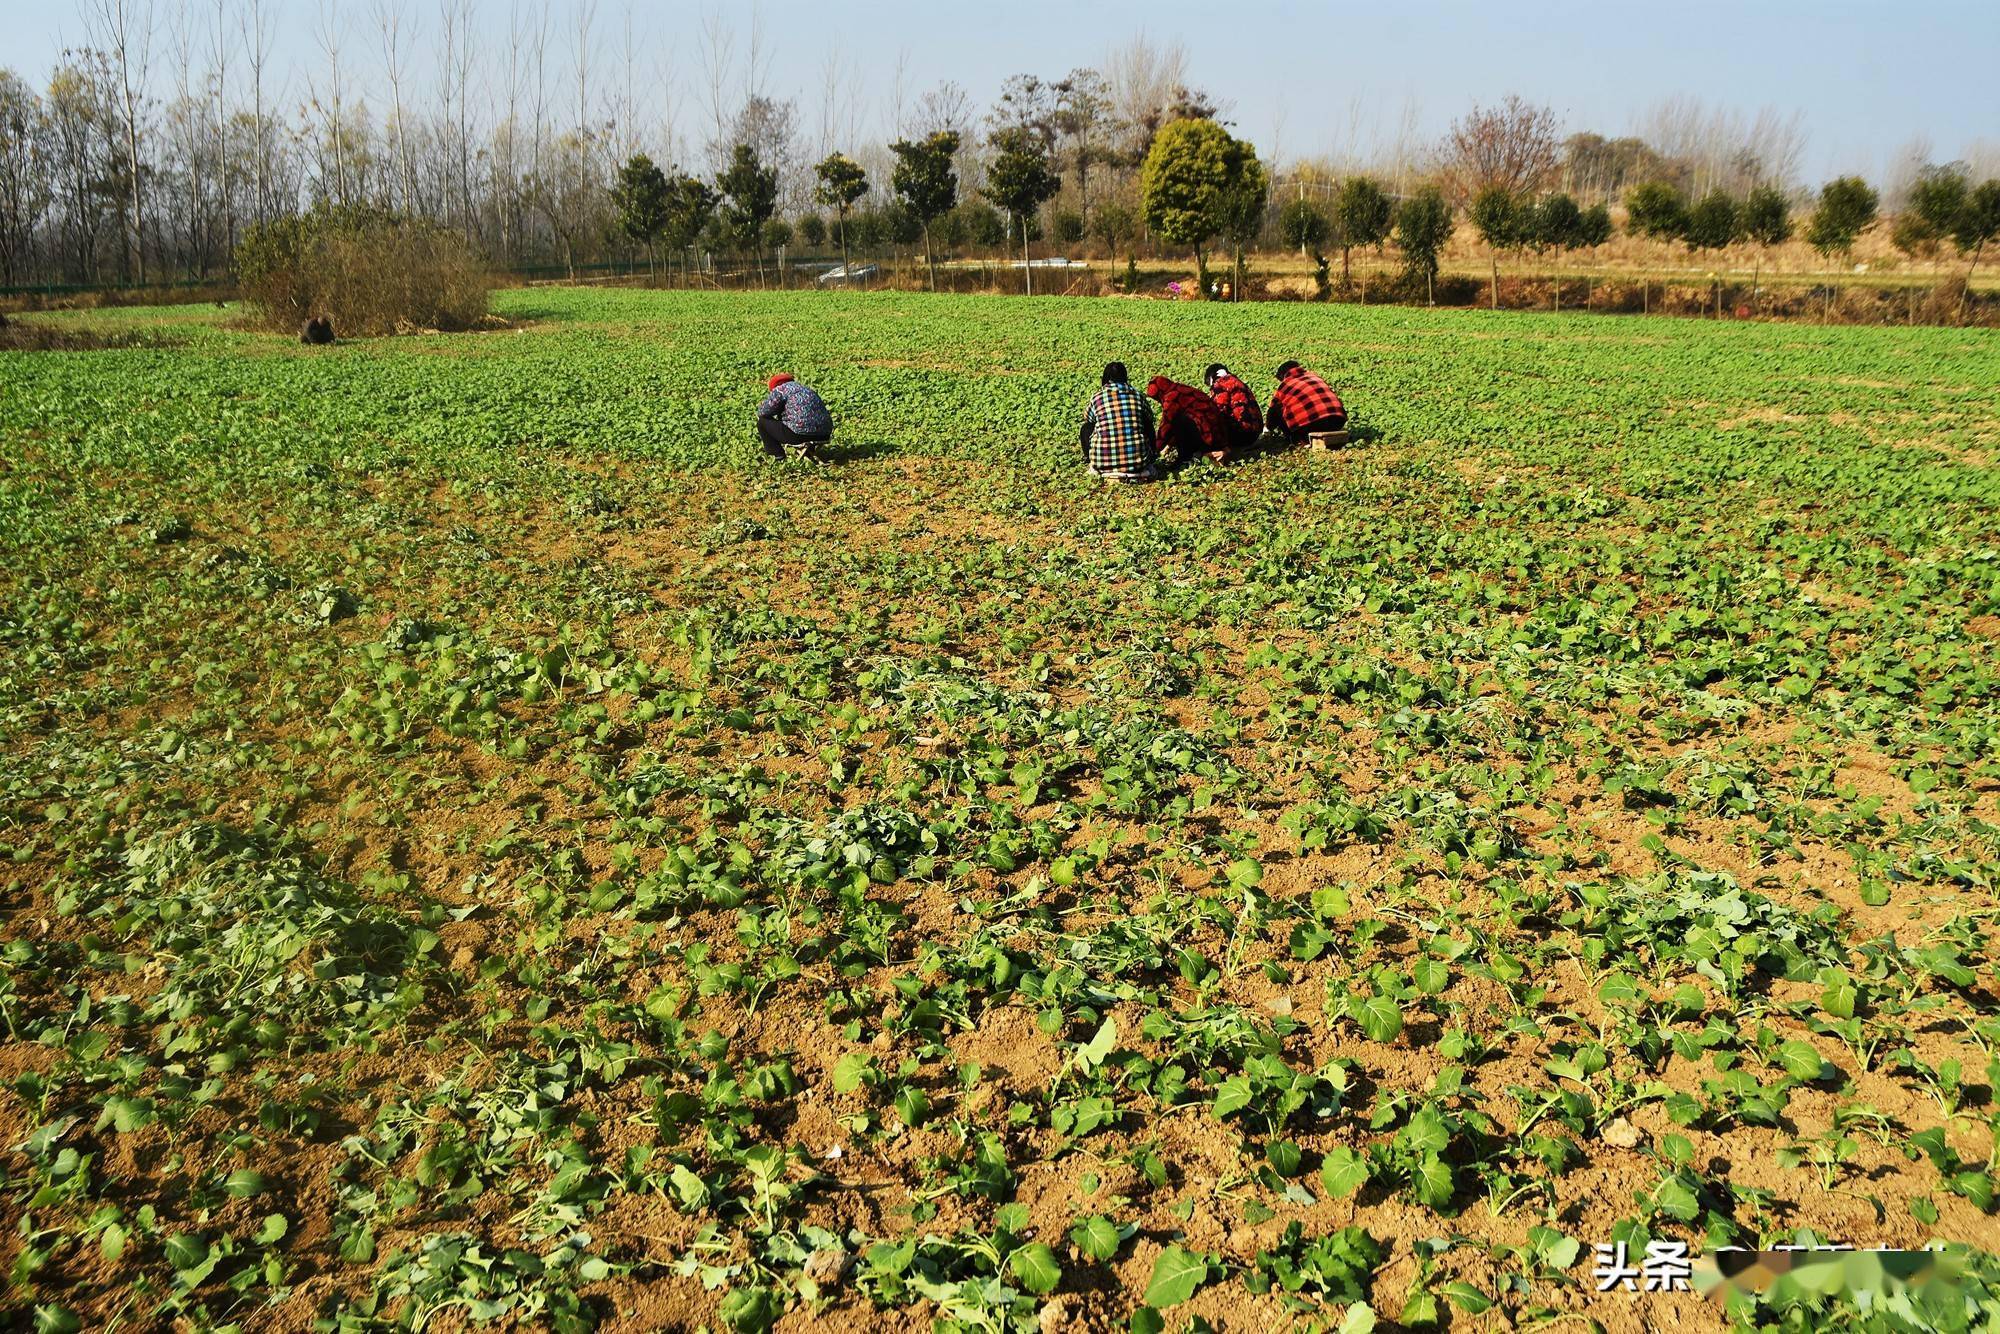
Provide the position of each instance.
(483, 846)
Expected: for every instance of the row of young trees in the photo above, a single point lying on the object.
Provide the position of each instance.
(1945, 207)
(740, 211)
(1507, 220)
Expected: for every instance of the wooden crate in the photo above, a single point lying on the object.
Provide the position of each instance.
(1327, 440)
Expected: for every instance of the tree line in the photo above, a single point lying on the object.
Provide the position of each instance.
(151, 148)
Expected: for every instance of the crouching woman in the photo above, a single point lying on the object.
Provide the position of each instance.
(793, 416)
(1118, 439)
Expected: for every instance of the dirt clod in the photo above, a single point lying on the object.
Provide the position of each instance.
(829, 1268)
(1621, 1134)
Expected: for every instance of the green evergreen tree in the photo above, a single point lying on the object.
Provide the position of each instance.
(927, 184)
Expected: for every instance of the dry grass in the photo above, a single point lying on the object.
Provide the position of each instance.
(19, 335)
(369, 276)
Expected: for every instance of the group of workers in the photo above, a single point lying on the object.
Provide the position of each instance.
(1122, 443)
(1120, 438)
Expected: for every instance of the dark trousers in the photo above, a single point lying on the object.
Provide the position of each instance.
(1241, 438)
(1181, 444)
(776, 435)
(1297, 435)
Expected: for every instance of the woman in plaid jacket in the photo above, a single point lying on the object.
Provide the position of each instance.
(1303, 404)
(1118, 439)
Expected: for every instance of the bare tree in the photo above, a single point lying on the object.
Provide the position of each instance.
(187, 129)
(1511, 147)
(123, 30)
(758, 57)
(1772, 151)
(541, 54)
(1906, 168)
(1717, 148)
(1143, 80)
(945, 108)
(506, 142)
(839, 127)
(1982, 157)
(1346, 156)
(218, 59)
(333, 149)
(516, 151)
(667, 108)
(583, 44)
(389, 23)
(1407, 147)
(81, 121)
(899, 87)
(256, 32)
(457, 57)
(1279, 114)
(715, 47)
(571, 194)
(26, 174)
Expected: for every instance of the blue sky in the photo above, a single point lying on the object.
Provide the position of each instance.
(1867, 77)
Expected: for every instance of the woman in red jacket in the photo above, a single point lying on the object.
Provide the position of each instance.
(1303, 405)
(1190, 423)
(1238, 404)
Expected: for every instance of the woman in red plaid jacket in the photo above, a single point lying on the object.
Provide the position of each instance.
(1238, 404)
(1190, 422)
(1303, 404)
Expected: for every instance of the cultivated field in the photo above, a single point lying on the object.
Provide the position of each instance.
(487, 846)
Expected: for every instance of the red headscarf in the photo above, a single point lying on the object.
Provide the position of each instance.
(778, 379)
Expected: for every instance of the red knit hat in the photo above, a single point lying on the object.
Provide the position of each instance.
(778, 379)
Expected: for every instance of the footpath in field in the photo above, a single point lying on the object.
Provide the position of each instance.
(487, 846)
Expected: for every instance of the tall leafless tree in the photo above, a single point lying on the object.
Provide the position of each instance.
(123, 31)
(218, 59)
(1144, 78)
(187, 135)
(334, 141)
(82, 128)
(26, 174)
(389, 23)
(457, 58)
(715, 53)
(1719, 148)
(253, 23)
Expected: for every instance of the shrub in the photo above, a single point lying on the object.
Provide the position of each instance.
(370, 272)
(1656, 209)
